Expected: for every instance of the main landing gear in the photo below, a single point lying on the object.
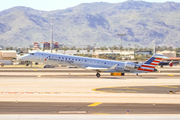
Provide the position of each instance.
(137, 74)
(98, 75)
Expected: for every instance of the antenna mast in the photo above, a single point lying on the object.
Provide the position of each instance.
(154, 49)
(51, 32)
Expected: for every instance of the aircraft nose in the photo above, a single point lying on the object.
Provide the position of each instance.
(19, 58)
(23, 58)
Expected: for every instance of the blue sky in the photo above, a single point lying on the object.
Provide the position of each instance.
(49, 5)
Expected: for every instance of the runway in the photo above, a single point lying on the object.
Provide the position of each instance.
(75, 89)
(166, 69)
(87, 108)
(89, 75)
(92, 117)
(59, 93)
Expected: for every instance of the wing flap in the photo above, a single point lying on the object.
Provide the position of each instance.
(100, 68)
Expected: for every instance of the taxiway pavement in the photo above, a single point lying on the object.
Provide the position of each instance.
(58, 89)
(87, 108)
(60, 92)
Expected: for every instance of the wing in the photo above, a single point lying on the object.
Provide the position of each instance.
(100, 68)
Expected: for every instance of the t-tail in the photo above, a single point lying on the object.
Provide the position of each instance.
(149, 65)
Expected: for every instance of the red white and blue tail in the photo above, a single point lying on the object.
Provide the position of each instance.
(149, 66)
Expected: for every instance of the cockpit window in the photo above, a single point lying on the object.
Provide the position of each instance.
(31, 53)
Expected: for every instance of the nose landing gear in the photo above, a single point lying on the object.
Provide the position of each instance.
(98, 75)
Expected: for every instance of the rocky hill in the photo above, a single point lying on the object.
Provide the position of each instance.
(94, 23)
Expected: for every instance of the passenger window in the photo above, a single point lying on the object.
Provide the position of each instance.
(76, 59)
(79, 60)
(31, 53)
(85, 60)
(62, 58)
(104, 63)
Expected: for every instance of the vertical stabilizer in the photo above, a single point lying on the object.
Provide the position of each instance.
(150, 64)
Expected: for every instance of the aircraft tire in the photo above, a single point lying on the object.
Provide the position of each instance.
(98, 75)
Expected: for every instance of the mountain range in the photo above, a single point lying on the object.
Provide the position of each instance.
(144, 23)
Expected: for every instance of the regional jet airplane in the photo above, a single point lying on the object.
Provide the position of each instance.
(98, 65)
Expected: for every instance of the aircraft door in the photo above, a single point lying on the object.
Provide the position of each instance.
(38, 56)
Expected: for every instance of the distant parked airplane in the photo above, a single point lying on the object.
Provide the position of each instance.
(98, 65)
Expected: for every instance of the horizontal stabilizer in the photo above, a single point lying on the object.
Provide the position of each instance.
(160, 56)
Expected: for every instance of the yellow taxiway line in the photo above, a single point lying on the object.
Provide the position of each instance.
(39, 76)
(170, 75)
(95, 104)
(167, 86)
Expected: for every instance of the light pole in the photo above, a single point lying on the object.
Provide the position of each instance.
(51, 35)
(121, 40)
(135, 51)
(129, 51)
(129, 46)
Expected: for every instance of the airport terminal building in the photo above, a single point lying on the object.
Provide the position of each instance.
(6, 56)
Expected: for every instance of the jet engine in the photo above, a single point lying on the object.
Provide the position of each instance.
(131, 65)
(171, 64)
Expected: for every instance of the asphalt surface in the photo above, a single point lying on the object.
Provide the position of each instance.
(160, 89)
(13, 83)
(87, 108)
(89, 75)
(64, 70)
(92, 117)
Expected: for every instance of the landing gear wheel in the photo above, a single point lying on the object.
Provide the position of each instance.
(136, 74)
(98, 75)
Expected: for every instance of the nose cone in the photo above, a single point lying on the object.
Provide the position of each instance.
(23, 58)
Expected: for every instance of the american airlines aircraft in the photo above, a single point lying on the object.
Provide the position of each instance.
(98, 65)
